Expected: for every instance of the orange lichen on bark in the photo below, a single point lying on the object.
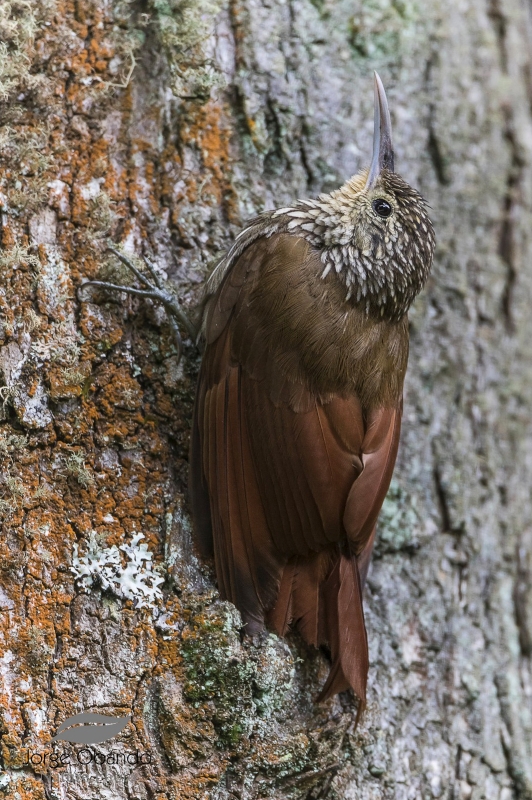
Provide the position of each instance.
(209, 133)
(95, 413)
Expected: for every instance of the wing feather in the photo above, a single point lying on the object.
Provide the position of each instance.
(379, 451)
(309, 514)
(269, 469)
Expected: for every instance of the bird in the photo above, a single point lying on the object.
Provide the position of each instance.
(298, 407)
(297, 414)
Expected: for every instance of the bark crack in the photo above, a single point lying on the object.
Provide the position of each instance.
(506, 246)
(442, 501)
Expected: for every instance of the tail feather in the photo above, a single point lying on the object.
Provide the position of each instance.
(280, 616)
(364, 558)
(346, 631)
(326, 606)
(306, 605)
(299, 598)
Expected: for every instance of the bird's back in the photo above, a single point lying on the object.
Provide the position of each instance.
(295, 434)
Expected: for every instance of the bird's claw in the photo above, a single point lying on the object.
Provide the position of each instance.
(154, 291)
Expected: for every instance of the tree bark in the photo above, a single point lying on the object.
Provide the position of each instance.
(160, 126)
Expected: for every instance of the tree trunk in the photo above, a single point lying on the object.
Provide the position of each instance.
(160, 126)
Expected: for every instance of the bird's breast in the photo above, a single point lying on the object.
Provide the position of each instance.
(317, 337)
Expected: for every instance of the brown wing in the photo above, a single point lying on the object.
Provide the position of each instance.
(286, 481)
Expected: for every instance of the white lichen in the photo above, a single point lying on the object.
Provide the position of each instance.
(59, 345)
(136, 580)
(75, 467)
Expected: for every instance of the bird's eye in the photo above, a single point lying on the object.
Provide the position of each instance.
(382, 207)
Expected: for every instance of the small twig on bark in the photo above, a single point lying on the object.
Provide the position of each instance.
(154, 291)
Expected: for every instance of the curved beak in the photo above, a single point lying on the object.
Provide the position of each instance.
(382, 136)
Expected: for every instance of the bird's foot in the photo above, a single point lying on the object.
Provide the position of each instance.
(154, 291)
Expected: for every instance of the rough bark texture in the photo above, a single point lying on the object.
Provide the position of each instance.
(162, 125)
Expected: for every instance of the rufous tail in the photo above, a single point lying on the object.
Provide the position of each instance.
(326, 606)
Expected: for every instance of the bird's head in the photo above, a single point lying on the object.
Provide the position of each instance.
(374, 231)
